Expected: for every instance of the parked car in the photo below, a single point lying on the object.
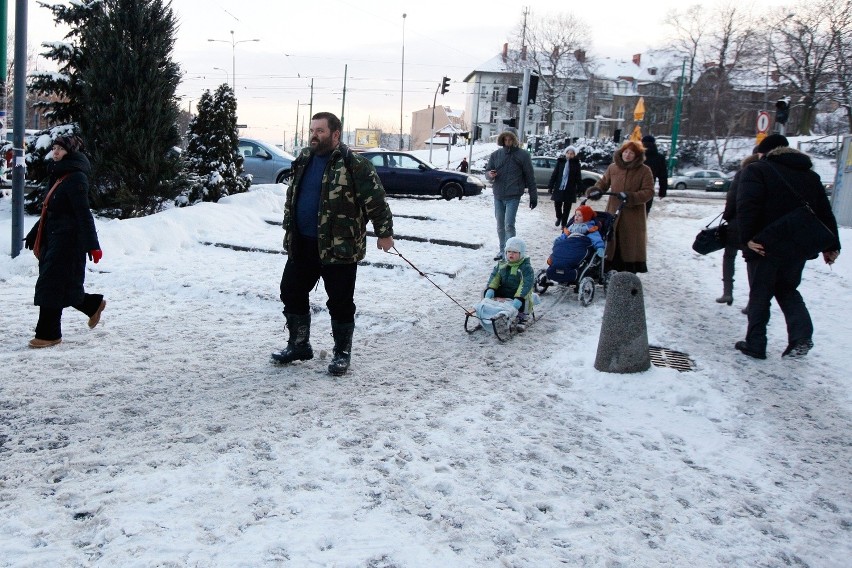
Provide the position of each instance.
(720, 184)
(403, 173)
(543, 168)
(694, 180)
(265, 162)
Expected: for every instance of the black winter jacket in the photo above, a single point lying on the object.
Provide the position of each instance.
(572, 188)
(657, 163)
(763, 197)
(68, 234)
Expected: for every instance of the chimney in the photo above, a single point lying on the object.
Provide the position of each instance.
(505, 52)
(637, 58)
(580, 55)
(556, 52)
(524, 53)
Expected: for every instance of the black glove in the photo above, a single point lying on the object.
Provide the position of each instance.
(29, 240)
(622, 196)
(595, 195)
(533, 203)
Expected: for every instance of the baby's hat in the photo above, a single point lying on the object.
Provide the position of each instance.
(516, 244)
(587, 212)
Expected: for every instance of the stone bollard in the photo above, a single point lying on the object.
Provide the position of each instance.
(623, 343)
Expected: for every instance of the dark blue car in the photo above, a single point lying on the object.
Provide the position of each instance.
(403, 173)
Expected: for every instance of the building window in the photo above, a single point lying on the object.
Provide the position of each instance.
(569, 115)
(620, 112)
(483, 92)
(530, 114)
(572, 96)
(493, 118)
(597, 111)
(495, 93)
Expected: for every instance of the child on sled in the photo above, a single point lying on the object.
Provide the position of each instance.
(514, 278)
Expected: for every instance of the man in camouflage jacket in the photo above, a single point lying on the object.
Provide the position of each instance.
(332, 194)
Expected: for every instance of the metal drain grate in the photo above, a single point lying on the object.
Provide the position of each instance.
(662, 357)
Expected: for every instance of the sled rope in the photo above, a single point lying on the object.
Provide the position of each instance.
(467, 311)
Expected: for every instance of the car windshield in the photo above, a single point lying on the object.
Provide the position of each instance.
(279, 152)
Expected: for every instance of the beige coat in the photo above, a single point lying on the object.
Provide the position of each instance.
(634, 179)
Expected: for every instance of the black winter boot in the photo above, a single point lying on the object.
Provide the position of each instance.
(342, 333)
(298, 345)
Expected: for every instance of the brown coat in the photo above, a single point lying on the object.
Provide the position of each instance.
(634, 179)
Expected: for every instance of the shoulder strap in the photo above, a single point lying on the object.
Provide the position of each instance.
(804, 201)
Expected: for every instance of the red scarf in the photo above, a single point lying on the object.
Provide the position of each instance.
(37, 245)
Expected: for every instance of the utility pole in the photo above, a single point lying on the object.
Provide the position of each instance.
(20, 95)
(475, 125)
(343, 105)
(676, 123)
(522, 120)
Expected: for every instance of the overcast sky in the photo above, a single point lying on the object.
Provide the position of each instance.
(304, 40)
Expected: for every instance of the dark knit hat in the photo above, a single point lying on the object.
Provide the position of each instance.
(587, 212)
(771, 142)
(649, 140)
(70, 143)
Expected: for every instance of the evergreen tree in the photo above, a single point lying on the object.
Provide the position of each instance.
(212, 161)
(119, 85)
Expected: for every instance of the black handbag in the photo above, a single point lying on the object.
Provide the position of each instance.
(798, 234)
(710, 239)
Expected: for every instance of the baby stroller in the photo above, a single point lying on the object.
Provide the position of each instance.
(589, 273)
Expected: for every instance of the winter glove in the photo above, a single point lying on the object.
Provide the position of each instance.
(622, 196)
(533, 203)
(29, 241)
(489, 293)
(96, 255)
(517, 303)
(595, 195)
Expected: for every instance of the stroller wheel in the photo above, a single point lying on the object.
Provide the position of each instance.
(541, 283)
(586, 290)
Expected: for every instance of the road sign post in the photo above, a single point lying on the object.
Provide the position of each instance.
(762, 125)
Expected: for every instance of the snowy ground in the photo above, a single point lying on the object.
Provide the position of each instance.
(165, 437)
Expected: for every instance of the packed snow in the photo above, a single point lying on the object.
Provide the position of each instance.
(165, 437)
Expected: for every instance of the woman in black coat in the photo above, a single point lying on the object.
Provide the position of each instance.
(61, 239)
(565, 193)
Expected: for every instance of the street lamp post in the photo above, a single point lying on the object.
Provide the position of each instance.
(402, 82)
(225, 71)
(233, 43)
(768, 55)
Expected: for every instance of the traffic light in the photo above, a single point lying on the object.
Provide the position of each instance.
(782, 111)
(533, 89)
(445, 85)
(512, 95)
(512, 122)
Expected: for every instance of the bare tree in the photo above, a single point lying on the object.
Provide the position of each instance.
(688, 29)
(547, 46)
(803, 57)
(840, 88)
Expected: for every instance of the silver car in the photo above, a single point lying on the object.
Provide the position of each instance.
(699, 179)
(543, 168)
(265, 162)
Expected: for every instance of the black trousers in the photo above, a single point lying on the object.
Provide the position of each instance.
(49, 324)
(302, 273)
(779, 279)
(563, 209)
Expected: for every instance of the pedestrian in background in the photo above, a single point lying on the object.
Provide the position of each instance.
(657, 163)
(333, 193)
(463, 166)
(632, 182)
(732, 243)
(762, 198)
(63, 236)
(564, 184)
(510, 170)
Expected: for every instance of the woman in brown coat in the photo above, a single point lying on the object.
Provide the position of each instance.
(629, 177)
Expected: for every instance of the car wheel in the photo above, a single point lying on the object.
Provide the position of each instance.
(681, 185)
(284, 177)
(451, 191)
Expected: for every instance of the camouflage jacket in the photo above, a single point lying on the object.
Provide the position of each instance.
(346, 202)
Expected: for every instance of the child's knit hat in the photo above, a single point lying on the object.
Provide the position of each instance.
(587, 212)
(516, 244)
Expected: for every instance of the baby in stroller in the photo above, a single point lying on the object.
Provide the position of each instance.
(571, 247)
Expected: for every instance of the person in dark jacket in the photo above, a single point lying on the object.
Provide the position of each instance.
(657, 163)
(762, 198)
(511, 171)
(732, 246)
(564, 184)
(63, 236)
